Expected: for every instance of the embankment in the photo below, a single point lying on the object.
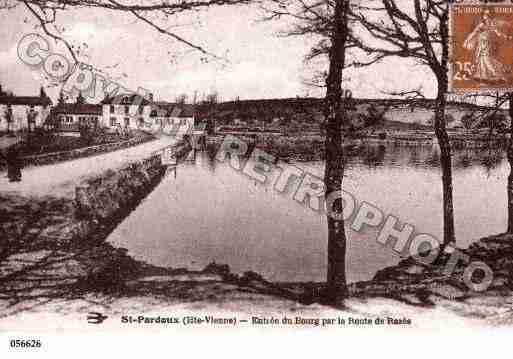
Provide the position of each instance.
(421, 284)
(62, 241)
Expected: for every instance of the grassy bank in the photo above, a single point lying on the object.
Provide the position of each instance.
(43, 142)
(44, 148)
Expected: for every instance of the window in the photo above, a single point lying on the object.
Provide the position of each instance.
(69, 119)
(140, 110)
(141, 121)
(127, 121)
(111, 108)
(127, 110)
(113, 121)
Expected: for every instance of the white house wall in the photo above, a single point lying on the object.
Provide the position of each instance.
(20, 120)
(120, 115)
(154, 124)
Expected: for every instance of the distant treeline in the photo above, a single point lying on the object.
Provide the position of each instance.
(309, 108)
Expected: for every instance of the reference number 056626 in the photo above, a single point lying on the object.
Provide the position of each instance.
(25, 343)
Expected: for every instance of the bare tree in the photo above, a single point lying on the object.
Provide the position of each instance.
(181, 99)
(212, 97)
(420, 32)
(510, 161)
(328, 20)
(155, 14)
(334, 112)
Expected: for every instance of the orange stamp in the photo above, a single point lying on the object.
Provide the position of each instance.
(481, 57)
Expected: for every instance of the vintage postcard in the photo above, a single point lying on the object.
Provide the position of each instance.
(221, 166)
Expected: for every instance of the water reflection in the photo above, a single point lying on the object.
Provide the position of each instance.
(209, 211)
(423, 156)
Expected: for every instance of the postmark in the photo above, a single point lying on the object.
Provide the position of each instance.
(481, 47)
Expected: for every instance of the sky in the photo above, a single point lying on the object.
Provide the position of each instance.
(258, 63)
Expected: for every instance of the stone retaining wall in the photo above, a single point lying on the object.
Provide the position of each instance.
(102, 198)
(109, 197)
(72, 233)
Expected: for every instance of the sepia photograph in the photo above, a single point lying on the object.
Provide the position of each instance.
(308, 166)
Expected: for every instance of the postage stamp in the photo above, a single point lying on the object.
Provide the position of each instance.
(481, 51)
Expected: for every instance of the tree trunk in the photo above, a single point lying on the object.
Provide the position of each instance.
(334, 171)
(441, 133)
(510, 161)
(445, 162)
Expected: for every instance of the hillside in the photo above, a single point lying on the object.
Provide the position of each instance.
(310, 110)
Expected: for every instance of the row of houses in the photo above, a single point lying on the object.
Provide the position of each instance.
(120, 112)
(129, 111)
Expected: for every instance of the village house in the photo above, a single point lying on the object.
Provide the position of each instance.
(23, 112)
(69, 117)
(130, 111)
(176, 119)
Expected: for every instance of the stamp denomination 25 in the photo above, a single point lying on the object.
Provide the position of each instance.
(481, 47)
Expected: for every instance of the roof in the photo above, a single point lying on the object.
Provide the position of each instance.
(126, 99)
(174, 110)
(161, 108)
(24, 100)
(78, 109)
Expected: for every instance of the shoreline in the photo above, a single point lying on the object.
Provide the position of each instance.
(311, 148)
(82, 263)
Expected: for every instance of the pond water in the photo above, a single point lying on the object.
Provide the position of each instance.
(207, 211)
